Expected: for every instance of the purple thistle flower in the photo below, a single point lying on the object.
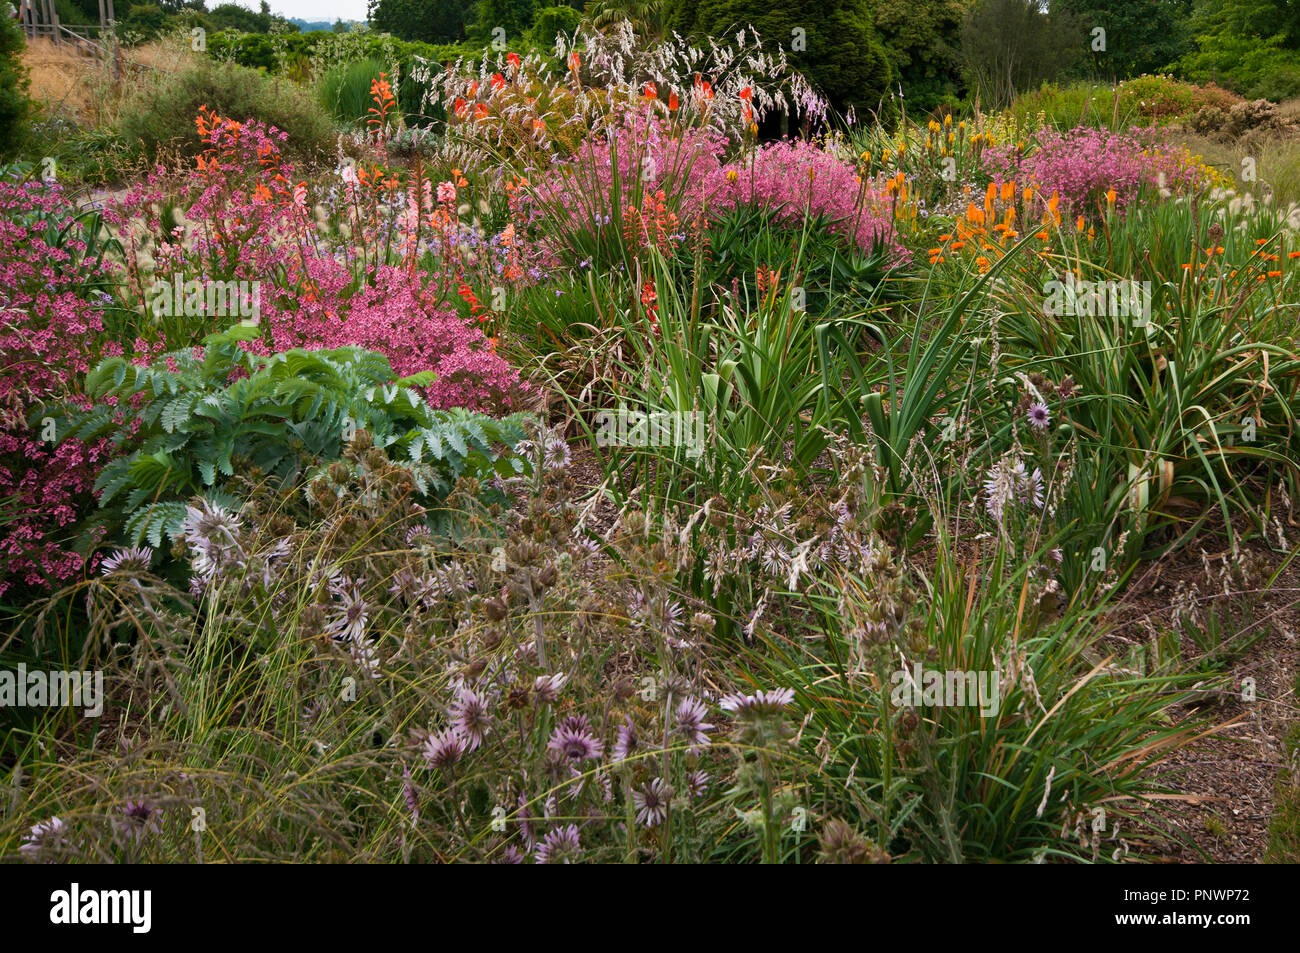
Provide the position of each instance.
(651, 801)
(445, 749)
(139, 818)
(697, 783)
(770, 702)
(626, 741)
(547, 687)
(127, 560)
(560, 846)
(511, 855)
(573, 740)
(472, 717)
(350, 616)
(1039, 416)
(689, 721)
(44, 834)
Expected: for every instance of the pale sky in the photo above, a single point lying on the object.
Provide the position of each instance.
(308, 9)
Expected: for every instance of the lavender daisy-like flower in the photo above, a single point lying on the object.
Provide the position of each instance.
(211, 534)
(573, 740)
(44, 834)
(560, 846)
(511, 855)
(444, 749)
(769, 702)
(651, 802)
(555, 452)
(472, 716)
(1028, 486)
(1039, 416)
(626, 740)
(546, 688)
(419, 536)
(689, 722)
(697, 783)
(127, 560)
(348, 621)
(138, 819)
(526, 828)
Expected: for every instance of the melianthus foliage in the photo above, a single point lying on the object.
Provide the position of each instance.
(207, 414)
(48, 327)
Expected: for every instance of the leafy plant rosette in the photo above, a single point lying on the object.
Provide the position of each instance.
(194, 418)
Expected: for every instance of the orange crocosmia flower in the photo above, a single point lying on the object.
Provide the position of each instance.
(944, 238)
(1262, 241)
(1275, 274)
(498, 80)
(746, 94)
(672, 102)
(262, 193)
(934, 252)
(459, 106)
(1293, 254)
(650, 91)
(473, 88)
(575, 61)
(512, 60)
(958, 246)
(480, 111)
(1042, 236)
(1187, 266)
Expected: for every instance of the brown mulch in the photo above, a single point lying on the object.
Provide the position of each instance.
(1226, 780)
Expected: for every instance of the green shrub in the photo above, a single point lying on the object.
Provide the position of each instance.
(345, 90)
(280, 417)
(1281, 83)
(15, 107)
(162, 112)
(549, 21)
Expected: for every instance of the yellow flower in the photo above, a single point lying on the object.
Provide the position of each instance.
(732, 175)
(1110, 197)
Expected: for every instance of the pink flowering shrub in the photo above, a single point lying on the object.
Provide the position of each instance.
(48, 325)
(401, 319)
(799, 179)
(646, 162)
(1083, 164)
(249, 221)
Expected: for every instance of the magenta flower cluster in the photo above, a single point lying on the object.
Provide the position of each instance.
(1083, 164)
(643, 155)
(399, 317)
(49, 320)
(799, 179)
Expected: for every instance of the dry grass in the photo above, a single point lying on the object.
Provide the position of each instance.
(1277, 160)
(78, 85)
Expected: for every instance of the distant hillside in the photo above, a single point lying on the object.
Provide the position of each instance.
(308, 26)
